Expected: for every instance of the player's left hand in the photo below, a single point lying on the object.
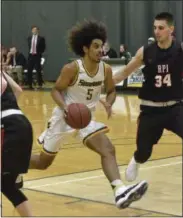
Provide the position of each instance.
(108, 108)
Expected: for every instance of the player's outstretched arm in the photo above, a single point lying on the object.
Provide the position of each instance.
(110, 91)
(132, 66)
(109, 86)
(17, 90)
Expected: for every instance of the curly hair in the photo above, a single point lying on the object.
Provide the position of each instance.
(82, 34)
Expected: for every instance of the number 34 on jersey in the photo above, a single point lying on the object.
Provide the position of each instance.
(163, 79)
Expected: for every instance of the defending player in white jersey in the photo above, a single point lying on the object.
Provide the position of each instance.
(81, 82)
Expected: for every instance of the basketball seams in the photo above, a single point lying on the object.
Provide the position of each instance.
(71, 112)
(90, 114)
(80, 114)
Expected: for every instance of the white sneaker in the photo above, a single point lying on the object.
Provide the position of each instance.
(131, 172)
(40, 139)
(125, 195)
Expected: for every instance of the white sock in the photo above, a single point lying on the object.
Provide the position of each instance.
(116, 182)
(133, 160)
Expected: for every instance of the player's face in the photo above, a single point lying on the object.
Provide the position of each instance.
(162, 30)
(94, 52)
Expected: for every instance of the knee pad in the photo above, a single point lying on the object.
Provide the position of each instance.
(15, 196)
(11, 190)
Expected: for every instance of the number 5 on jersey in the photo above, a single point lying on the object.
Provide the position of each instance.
(89, 94)
(163, 80)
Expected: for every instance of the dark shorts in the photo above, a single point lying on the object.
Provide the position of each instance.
(16, 143)
(152, 121)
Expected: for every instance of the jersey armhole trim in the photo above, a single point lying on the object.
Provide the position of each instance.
(105, 73)
(77, 74)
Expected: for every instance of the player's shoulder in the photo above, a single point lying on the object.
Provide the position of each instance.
(107, 69)
(149, 46)
(139, 54)
(106, 66)
(71, 67)
(177, 44)
(149, 49)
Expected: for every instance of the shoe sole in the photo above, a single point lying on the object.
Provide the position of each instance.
(134, 195)
(140, 192)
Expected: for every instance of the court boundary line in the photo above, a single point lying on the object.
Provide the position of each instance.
(103, 176)
(37, 150)
(100, 202)
(67, 174)
(85, 178)
(128, 138)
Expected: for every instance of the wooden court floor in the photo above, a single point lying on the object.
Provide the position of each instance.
(75, 185)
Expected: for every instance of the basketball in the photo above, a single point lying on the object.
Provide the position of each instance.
(78, 116)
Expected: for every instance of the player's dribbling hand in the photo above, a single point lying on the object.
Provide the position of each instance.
(108, 108)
